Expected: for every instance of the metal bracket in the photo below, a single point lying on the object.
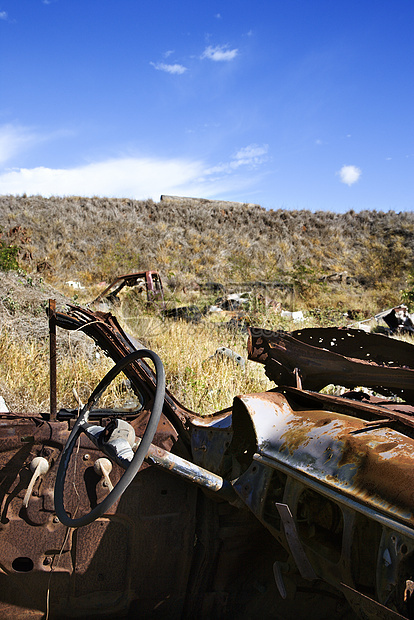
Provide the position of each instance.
(295, 546)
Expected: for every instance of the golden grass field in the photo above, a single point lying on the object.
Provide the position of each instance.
(325, 263)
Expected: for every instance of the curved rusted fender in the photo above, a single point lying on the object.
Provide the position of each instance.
(370, 465)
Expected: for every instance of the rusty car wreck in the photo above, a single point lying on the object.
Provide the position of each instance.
(289, 504)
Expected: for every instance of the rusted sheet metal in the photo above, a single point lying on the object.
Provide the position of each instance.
(356, 343)
(281, 353)
(295, 546)
(210, 439)
(373, 467)
(101, 566)
(374, 410)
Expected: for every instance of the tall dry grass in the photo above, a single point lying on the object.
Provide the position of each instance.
(202, 381)
(24, 373)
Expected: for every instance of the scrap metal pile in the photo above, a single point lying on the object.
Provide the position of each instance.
(290, 504)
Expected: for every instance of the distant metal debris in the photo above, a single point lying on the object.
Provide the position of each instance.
(186, 313)
(253, 285)
(233, 301)
(341, 276)
(232, 355)
(398, 319)
(74, 284)
(294, 316)
(195, 201)
(149, 281)
(213, 287)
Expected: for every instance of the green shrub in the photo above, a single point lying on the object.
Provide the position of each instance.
(408, 293)
(8, 257)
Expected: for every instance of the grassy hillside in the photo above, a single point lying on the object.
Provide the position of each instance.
(94, 239)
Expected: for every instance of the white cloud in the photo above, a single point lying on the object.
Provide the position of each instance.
(3, 15)
(175, 69)
(139, 177)
(349, 174)
(219, 53)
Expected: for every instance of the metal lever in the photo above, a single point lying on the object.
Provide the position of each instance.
(39, 467)
(103, 467)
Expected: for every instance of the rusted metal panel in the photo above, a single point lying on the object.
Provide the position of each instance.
(374, 467)
(103, 568)
(358, 344)
(281, 353)
(295, 546)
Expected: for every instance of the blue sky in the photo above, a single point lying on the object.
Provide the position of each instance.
(290, 104)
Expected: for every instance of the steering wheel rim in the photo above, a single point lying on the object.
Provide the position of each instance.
(139, 455)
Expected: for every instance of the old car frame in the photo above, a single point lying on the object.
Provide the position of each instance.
(289, 504)
(150, 281)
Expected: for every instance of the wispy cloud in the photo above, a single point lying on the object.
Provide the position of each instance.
(219, 53)
(14, 139)
(138, 177)
(135, 177)
(349, 174)
(3, 15)
(175, 69)
(251, 156)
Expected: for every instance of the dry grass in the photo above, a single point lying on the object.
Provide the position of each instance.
(201, 380)
(92, 240)
(24, 371)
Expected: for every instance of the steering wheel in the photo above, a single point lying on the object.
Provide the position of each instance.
(81, 425)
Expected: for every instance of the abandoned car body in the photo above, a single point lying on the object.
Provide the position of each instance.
(149, 281)
(289, 504)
